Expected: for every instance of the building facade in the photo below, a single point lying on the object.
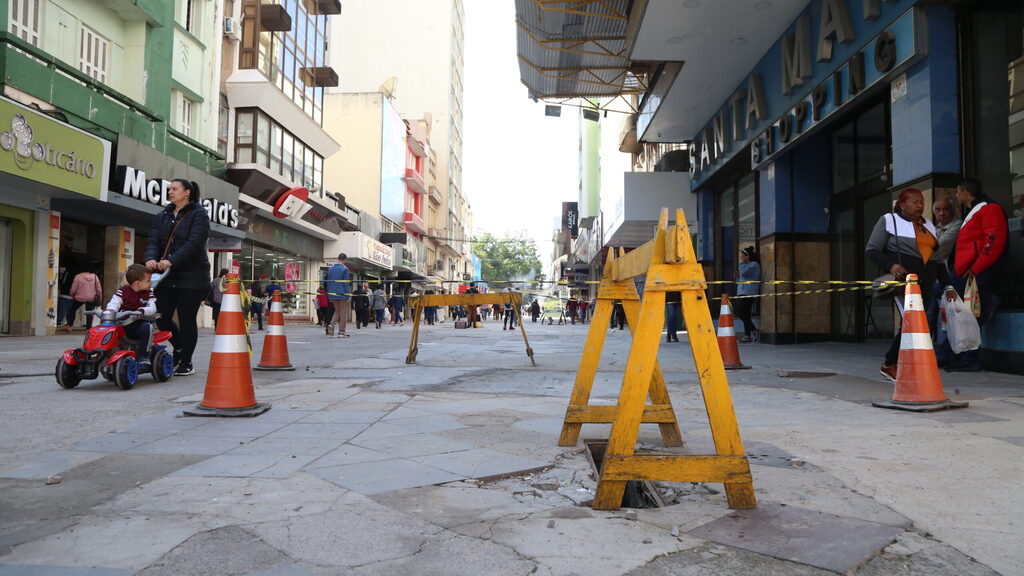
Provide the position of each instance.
(271, 126)
(848, 104)
(420, 61)
(101, 108)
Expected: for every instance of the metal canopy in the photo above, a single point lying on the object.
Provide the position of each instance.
(572, 49)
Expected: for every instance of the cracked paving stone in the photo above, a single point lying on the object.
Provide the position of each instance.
(457, 556)
(227, 551)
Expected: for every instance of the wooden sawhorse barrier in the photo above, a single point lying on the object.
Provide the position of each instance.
(668, 264)
(513, 298)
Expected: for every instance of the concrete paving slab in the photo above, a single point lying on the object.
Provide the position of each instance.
(547, 426)
(454, 556)
(457, 505)
(346, 454)
(482, 463)
(226, 551)
(287, 569)
(49, 463)
(814, 538)
(431, 423)
(413, 445)
(234, 428)
(345, 417)
(282, 412)
(178, 444)
(764, 454)
(225, 501)
(600, 546)
(379, 397)
(356, 531)
(277, 445)
(716, 560)
(376, 363)
(405, 411)
(380, 430)
(382, 476)
(1015, 440)
(118, 442)
(303, 430)
(164, 423)
(912, 553)
(36, 570)
(89, 542)
(231, 465)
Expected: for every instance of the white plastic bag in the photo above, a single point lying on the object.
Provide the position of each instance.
(961, 326)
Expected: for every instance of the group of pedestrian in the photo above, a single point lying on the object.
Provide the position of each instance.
(903, 242)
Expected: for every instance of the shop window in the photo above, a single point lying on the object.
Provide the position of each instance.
(93, 54)
(24, 17)
(861, 149)
(993, 111)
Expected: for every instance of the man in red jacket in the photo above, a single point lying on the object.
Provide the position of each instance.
(979, 245)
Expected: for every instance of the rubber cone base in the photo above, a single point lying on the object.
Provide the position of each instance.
(261, 367)
(200, 410)
(920, 406)
(737, 367)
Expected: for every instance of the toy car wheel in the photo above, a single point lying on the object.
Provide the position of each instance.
(67, 375)
(126, 373)
(163, 366)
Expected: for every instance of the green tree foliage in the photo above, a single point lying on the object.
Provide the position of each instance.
(513, 257)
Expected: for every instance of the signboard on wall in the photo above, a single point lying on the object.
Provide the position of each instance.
(392, 164)
(39, 148)
(571, 218)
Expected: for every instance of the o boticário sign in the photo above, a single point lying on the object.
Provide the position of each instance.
(800, 83)
(39, 148)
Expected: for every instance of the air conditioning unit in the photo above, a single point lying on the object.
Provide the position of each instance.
(231, 29)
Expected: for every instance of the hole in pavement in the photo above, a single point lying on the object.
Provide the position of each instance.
(638, 494)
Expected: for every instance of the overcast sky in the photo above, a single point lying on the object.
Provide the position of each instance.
(518, 165)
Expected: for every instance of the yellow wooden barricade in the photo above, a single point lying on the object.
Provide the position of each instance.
(668, 263)
(514, 298)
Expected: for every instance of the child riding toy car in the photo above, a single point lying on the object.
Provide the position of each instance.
(108, 352)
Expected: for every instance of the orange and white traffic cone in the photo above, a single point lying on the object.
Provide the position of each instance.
(727, 338)
(229, 389)
(918, 385)
(275, 343)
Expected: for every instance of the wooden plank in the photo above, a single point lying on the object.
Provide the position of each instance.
(414, 339)
(676, 468)
(670, 433)
(589, 361)
(635, 263)
(675, 277)
(468, 299)
(643, 356)
(653, 413)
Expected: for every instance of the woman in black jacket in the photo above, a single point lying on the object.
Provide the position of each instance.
(177, 247)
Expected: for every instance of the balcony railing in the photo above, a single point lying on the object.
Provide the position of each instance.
(435, 195)
(414, 223)
(94, 106)
(414, 181)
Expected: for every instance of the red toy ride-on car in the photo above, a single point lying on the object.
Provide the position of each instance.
(108, 352)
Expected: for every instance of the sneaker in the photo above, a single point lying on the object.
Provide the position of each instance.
(965, 365)
(330, 330)
(343, 335)
(184, 369)
(888, 371)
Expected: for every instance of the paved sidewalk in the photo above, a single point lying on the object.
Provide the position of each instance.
(366, 465)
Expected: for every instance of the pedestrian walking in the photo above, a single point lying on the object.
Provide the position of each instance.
(749, 275)
(618, 315)
(471, 311)
(379, 302)
(903, 242)
(361, 303)
(572, 308)
(535, 310)
(87, 291)
(216, 294)
(509, 321)
(979, 245)
(397, 303)
(177, 248)
(256, 307)
(583, 308)
(339, 292)
(672, 312)
(324, 308)
(430, 312)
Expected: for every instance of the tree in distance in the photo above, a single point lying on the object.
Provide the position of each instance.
(512, 257)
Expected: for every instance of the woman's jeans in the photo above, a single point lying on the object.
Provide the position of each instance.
(75, 305)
